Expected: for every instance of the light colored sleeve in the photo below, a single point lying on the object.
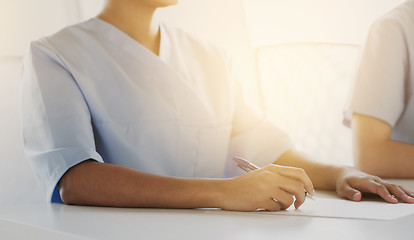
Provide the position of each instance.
(57, 129)
(254, 137)
(379, 87)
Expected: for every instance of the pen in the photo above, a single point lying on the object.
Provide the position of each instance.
(248, 167)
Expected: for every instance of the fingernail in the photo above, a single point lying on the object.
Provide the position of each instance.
(355, 196)
(312, 193)
(408, 197)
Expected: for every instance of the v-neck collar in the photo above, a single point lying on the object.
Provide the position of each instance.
(130, 45)
(159, 67)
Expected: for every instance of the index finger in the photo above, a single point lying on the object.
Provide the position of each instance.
(300, 175)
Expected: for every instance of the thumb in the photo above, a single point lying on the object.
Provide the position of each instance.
(346, 191)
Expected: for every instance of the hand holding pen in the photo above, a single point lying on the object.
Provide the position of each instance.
(272, 188)
(248, 167)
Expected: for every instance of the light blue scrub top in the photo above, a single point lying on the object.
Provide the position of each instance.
(92, 92)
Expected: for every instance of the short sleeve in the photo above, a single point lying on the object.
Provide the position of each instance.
(254, 137)
(57, 129)
(378, 89)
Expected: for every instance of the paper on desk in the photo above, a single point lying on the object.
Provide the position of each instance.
(327, 206)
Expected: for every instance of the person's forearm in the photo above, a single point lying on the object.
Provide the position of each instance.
(386, 159)
(376, 153)
(102, 184)
(323, 176)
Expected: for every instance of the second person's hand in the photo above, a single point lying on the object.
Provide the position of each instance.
(352, 183)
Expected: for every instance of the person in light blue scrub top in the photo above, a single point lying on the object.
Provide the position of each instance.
(381, 108)
(121, 110)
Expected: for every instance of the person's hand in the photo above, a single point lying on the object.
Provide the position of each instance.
(352, 183)
(271, 188)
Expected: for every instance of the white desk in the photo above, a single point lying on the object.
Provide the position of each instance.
(57, 221)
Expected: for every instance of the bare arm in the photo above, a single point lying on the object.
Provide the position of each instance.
(375, 153)
(102, 184)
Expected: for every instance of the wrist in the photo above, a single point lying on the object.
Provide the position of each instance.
(339, 174)
(211, 194)
(220, 190)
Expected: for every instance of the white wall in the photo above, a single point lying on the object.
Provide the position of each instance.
(340, 21)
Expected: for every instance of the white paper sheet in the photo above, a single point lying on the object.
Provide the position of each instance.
(328, 205)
